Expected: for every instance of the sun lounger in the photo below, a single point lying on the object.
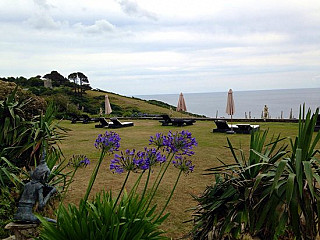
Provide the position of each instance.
(117, 124)
(103, 123)
(246, 128)
(223, 126)
(175, 121)
(84, 118)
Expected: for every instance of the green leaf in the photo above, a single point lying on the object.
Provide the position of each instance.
(309, 175)
(290, 187)
(279, 172)
(299, 170)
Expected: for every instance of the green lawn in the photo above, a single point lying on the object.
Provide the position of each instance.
(210, 147)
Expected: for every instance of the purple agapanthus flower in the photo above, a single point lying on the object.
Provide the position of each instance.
(179, 142)
(79, 160)
(85, 161)
(109, 141)
(130, 160)
(183, 164)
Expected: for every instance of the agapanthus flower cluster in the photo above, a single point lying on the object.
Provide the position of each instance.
(181, 143)
(130, 160)
(158, 140)
(183, 164)
(79, 161)
(109, 141)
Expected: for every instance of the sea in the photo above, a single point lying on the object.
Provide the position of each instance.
(281, 103)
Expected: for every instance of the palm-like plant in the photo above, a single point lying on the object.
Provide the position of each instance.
(297, 180)
(228, 207)
(270, 194)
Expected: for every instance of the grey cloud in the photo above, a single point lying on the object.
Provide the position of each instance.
(43, 4)
(100, 26)
(132, 9)
(43, 21)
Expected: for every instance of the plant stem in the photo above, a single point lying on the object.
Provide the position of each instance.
(135, 186)
(142, 196)
(162, 167)
(93, 176)
(157, 182)
(123, 185)
(171, 194)
(70, 181)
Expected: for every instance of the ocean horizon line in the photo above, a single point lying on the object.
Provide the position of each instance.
(234, 90)
(281, 103)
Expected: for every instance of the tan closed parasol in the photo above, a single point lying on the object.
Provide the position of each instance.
(107, 106)
(230, 110)
(181, 106)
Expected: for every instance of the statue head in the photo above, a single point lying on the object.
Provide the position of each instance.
(42, 172)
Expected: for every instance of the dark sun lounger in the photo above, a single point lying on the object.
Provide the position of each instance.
(117, 124)
(223, 126)
(103, 123)
(175, 121)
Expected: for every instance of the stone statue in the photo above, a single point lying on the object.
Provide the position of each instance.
(35, 191)
(265, 112)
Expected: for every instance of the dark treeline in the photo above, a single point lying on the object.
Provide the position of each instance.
(77, 81)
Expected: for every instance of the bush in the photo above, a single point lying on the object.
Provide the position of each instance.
(21, 145)
(8, 208)
(34, 105)
(273, 194)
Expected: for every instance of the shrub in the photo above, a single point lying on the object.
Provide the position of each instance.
(7, 203)
(273, 194)
(34, 105)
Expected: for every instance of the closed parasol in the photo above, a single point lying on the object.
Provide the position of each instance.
(107, 106)
(181, 106)
(230, 110)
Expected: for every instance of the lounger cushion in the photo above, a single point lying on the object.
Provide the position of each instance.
(118, 124)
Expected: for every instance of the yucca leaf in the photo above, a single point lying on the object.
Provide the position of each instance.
(290, 187)
(298, 162)
(309, 175)
(280, 169)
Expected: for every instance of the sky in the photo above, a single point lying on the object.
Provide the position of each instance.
(137, 47)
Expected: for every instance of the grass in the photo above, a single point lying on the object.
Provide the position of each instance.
(210, 147)
(135, 103)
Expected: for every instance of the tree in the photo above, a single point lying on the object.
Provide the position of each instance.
(74, 78)
(35, 82)
(80, 82)
(56, 78)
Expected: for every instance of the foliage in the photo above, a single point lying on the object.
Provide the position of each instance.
(57, 79)
(161, 104)
(7, 209)
(13, 132)
(100, 220)
(34, 105)
(271, 194)
(21, 145)
(80, 82)
(132, 215)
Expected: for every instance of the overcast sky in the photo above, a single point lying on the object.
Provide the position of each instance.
(135, 47)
